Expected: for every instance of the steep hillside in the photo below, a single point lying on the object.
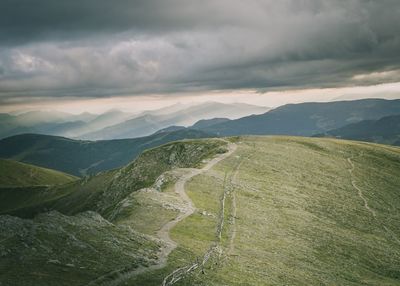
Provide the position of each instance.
(308, 118)
(79, 157)
(16, 174)
(101, 192)
(384, 130)
(83, 248)
(54, 249)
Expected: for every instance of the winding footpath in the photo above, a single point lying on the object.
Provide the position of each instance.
(231, 247)
(360, 193)
(163, 233)
(180, 273)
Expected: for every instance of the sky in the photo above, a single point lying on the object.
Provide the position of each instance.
(99, 54)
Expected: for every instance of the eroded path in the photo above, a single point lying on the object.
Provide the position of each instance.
(180, 273)
(231, 247)
(360, 193)
(163, 234)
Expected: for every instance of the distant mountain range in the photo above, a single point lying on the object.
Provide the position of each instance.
(57, 123)
(374, 120)
(116, 124)
(151, 122)
(79, 157)
(307, 119)
(385, 130)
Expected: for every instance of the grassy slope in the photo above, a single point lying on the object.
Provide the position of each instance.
(102, 192)
(55, 249)
(15, 174)
(299, 219)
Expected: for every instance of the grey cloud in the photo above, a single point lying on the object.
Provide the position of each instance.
(22, 21)
(101, 48)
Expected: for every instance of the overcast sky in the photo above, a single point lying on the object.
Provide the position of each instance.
(87, 49)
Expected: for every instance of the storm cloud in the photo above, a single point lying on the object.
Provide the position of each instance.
(97, 48)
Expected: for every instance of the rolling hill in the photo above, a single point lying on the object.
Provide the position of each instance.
(80, 157)
(272, 211)
(16, 174)
(307, 119)
(385, 130)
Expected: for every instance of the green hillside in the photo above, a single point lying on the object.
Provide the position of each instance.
(385, 130)
(296, 211)
(64, 238)
(16, 174)
(81, 157)
(271, 211)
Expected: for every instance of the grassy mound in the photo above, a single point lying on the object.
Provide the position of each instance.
(16, 174)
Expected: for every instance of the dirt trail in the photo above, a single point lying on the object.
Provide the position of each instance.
(163, 233)
(182, 272)
(360, 193)
(233, 236)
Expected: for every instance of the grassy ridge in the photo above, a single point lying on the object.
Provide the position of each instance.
(300, 217)
(297, 211)
(16, 174)
(53, 248)
(101, 193)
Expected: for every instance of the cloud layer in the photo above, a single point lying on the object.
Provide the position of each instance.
(97, 48)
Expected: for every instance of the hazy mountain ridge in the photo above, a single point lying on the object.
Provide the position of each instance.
(307, 119)
(115, 124)
(151, 122)
(385, 130)
(205, 123)
(81, 157)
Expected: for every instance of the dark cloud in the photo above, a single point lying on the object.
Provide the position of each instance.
(101, 47)
(22, 21)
